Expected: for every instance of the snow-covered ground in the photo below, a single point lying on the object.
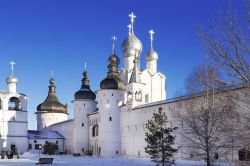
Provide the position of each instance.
(29, 159)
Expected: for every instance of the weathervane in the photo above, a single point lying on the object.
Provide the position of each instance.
(12, 67)
(132, 17)
(151, 32)
(113, 46)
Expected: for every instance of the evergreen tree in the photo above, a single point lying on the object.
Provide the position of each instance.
(160, 139)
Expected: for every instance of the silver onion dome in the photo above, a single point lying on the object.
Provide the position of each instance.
(152, 55)
(11, 79)
(131, 45)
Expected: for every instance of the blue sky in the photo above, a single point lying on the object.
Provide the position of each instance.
(60, 35)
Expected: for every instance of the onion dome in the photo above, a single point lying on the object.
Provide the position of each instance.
(151, 54)
(113, 81)
(51, 103)
(131, 45)
(11, 79)
(85, 92)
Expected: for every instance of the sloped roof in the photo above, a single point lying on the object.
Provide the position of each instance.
(34, 134)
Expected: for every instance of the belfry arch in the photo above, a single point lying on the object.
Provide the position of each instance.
(14, 104)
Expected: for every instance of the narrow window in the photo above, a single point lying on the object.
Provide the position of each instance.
(110, 118)
(56, 142)
(112, 94)
(30, 146)
(82, 124)
(35, 141)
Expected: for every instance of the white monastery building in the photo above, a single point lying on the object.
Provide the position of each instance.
(110, 126)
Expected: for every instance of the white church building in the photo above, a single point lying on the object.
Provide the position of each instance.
(108, 126)
(108, 122)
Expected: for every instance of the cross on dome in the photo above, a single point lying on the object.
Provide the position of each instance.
(129, 28)
(132, 19)
(85, 66)
(12, 63)
(113, 46)
(52, 74)
(151, 32)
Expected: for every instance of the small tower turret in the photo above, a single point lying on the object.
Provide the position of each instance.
(111, 96)
(84, 104)
(152, 56)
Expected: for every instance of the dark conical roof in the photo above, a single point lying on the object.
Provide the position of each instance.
(85, 92)
(113, 81)
(135, 76)
(51, 103)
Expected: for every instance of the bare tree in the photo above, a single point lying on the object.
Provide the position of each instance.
(207, 116)
(205, 129)
(204, 76)
(226, 40)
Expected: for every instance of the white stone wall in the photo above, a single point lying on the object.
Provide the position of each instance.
(152, 66)
(94, 121)
(66, 130)
(45, 119)
(81, 124)
(109, 128)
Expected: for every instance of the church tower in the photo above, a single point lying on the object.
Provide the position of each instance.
(51, 111)
(152, 56)
(13, 113)
(111, 96)
(84, 104)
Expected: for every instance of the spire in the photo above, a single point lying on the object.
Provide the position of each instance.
(151, 32)
(113, 46)
(135, 77)
(132, 17)
(12, 63)
(85, 80)
(52, 87)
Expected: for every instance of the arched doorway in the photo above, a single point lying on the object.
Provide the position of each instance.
(14, 104)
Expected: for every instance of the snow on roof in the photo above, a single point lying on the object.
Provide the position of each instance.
(69, 120)
(34, 134)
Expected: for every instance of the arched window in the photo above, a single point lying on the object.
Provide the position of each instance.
(14, 104)
(93, 131)
(96, 130)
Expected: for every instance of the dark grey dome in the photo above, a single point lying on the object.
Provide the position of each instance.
(51, 103)
(113, 81)
(85, 92)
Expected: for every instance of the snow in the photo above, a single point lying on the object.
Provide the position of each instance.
(28, 159)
